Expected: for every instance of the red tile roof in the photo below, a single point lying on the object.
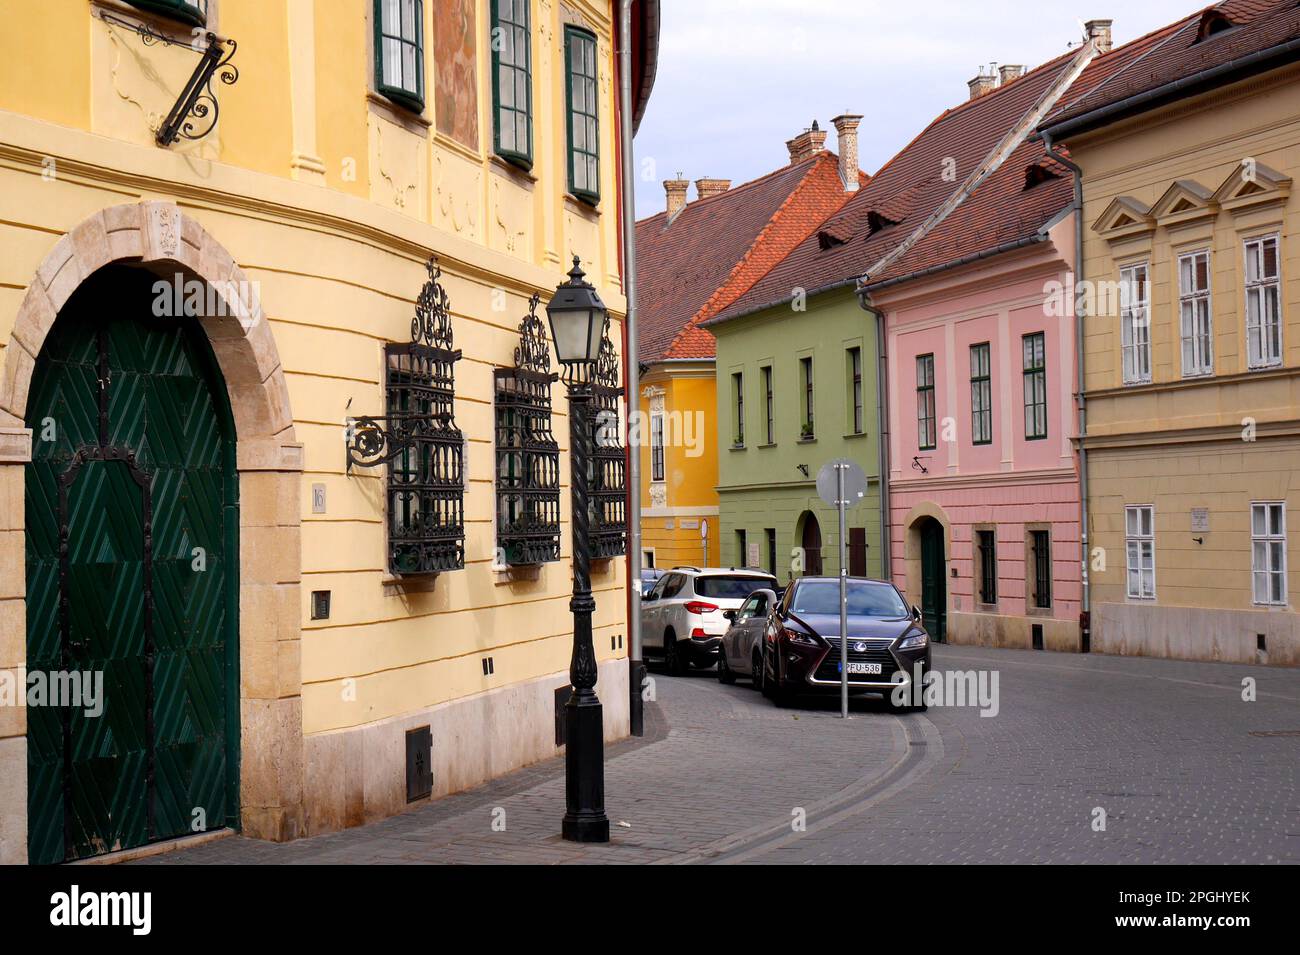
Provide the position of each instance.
(1174, 53)
(716, 248)
(919, 180)
(1001, 211)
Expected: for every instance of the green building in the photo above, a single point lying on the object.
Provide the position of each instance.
(797, 388)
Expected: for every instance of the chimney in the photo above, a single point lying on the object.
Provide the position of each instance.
(704, 188)
(846, 129)
(676, 192)
(983, 83)
(1099, 33)
(808, 143)
(1008, 72)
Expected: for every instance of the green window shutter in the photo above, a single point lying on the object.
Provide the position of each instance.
(190, 11)
(512, 81)
(399, 51)
(584, 125)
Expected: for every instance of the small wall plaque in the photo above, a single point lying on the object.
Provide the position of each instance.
(1200, 519)
(318, 498)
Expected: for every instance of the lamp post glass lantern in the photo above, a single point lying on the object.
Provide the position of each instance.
(577, 317)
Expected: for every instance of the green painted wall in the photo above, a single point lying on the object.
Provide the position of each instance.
(760, 485)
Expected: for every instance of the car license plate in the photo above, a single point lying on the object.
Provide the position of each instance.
(872, 669)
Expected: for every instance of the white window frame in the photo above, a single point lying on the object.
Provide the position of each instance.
(1257, 289)
(1194, 309)
(657, 468)
(1135, 317)
(1268, 539)
(1140, 541)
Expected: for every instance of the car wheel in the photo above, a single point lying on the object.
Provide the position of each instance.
(756, 671)
(725, 673)
(673, 659)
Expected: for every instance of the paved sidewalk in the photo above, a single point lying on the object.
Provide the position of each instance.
(1185, 770)
(716, 761)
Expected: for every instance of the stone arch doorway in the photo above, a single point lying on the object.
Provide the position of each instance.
(810, 541)
(132, 572)
(159, 238)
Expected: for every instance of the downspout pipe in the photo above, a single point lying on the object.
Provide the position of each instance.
(631, 375)
(1085, 606)
(882, 429)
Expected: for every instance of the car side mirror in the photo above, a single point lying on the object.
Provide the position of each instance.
(916, 612)
(729, 614)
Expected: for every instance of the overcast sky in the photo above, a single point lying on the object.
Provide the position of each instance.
(737, 78)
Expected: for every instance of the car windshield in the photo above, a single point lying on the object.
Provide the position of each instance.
(865, 598)
(731, 588)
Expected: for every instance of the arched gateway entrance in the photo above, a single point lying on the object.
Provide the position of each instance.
(132, 577)
(144, 435)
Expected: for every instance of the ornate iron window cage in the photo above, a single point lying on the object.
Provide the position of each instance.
(419, 441)
(528, 457)
(608, 483)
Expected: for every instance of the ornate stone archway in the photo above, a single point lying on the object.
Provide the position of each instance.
(158, 236)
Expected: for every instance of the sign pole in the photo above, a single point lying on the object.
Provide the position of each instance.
(844, 596)
(842, 482)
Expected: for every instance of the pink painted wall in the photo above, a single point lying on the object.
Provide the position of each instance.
(1013, 481)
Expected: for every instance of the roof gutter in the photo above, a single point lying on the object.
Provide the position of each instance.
(1240, 68)
(632, 369)
(720, 319)
(1085, 605)
(1037, 237)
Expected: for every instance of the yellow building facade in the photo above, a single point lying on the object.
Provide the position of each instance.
(1191, 343)
(679, 465)
(310, 211)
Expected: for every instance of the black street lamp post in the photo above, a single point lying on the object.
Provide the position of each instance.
(577, 317)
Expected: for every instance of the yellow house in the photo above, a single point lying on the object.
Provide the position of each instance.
(258, 348)
(1190, 285)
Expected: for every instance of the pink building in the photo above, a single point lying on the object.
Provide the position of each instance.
(983, 478)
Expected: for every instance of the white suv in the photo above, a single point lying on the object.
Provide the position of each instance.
(682, 618)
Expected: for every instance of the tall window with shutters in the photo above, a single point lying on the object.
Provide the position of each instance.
(512, 81)
(1268, 552)
(584, 122)
(1263, 303)
(981, 395)
(194, 12)
(1035, 375)
(1140, 550)
(1194, 314)
(925, 424)
(1135, 324)
(399, 51)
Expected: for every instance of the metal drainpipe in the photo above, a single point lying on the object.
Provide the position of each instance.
(632, 376)
(882, 429)
(1085, 609)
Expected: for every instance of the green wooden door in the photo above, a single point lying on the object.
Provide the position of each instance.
(133, 468)
(934, 585)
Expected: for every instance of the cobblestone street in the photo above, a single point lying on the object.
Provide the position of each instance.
(1184, 769)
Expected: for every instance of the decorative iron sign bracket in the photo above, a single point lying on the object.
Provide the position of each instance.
(195, 112)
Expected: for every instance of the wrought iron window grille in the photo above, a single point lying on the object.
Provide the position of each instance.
(417, 438)
(196, 110)
(527, 454)
(608, 477)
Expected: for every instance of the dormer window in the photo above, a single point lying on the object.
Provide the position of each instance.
(1037, 174)
(878, 220)
(1213, 22)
